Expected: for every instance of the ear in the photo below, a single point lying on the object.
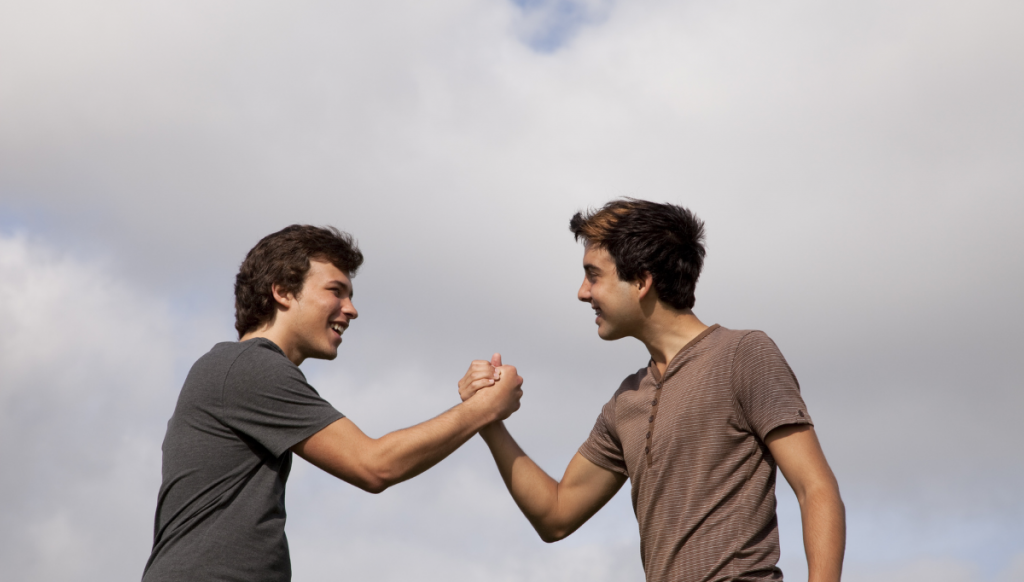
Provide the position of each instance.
(284, 300)
(645, 284)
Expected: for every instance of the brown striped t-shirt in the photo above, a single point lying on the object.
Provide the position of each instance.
(692, 445)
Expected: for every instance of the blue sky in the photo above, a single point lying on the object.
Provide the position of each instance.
(858, 168)
(553, 23)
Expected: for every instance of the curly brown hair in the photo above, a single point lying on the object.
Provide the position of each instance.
(664, 240)
(283, 259)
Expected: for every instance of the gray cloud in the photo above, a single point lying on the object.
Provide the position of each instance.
(87, 366)
(858, 168)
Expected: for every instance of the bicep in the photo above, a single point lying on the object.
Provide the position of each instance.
(584, 489)
(340, 449)
(798, 453)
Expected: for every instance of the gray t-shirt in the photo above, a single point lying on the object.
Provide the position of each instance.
(220, 512)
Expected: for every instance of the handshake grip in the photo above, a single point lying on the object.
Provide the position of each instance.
(500, 386)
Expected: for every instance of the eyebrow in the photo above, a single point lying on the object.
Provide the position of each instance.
(343, 285)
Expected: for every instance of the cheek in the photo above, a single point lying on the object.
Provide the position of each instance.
(614, 297)
(323, 309)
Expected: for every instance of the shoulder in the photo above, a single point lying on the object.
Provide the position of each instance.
(260, 361)
(217, 362)
(262, 350)
(740, 341)
(250, 363)
(631, 383)
(261, 355)
(757, 359)
(256, 354)
(754, 341)
(734, 337)
(743, 351)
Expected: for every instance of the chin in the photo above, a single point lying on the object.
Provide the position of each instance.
(326, 354)
(609, 335)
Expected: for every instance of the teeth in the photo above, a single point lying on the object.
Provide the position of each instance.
(337, 327)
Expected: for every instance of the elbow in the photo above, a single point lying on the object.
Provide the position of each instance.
(370, 479)
(553, 526)
(378, 479)
(550, 538)
(374, 486)
(840, 507)
(378, 482)
(364, 480)
(550, 535)
(824, 494)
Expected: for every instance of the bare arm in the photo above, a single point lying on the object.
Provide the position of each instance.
(799, 455)
(346, 452)
(554, 508)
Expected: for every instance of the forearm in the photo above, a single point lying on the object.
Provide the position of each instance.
(802, 462)
(405, 453)
(533, 490)
(824, 524)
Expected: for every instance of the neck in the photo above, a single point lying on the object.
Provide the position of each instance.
(281, 339)
(667, 331)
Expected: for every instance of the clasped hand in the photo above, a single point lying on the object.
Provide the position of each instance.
(502, 385)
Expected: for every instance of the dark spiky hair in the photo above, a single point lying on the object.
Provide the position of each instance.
(664, 240)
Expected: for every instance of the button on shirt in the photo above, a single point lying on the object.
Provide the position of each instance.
(692, 445)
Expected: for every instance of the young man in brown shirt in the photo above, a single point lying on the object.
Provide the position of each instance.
(698, 432)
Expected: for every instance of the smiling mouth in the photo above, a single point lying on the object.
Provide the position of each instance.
(338, 328)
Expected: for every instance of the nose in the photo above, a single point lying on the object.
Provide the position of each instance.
(584, 293)
(349, 309)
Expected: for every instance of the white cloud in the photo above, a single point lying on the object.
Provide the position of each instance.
(858, 167)
(939, 570)
(931, 570)
(88, 377)
(91, 365)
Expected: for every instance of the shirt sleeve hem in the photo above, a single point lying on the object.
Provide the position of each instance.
(600, 461)
(308, 432)
(786, 422)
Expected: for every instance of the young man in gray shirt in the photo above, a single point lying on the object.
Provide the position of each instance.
(245, 407)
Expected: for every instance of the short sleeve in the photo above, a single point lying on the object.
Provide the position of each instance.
(603, 447)
(267, 398)
(765, 387)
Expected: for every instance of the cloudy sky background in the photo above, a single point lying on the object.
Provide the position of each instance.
(860, 168)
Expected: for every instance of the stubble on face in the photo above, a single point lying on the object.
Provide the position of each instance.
(614, 301)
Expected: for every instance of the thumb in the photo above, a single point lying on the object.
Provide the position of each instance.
(496, 360)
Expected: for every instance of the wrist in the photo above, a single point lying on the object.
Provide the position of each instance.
(494, 433)
(482, 411)
(492, 430)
